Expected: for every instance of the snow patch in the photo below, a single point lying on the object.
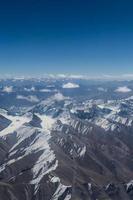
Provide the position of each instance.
(17, 121)
(47, 122)
(60, 190)
(129, 185)
(83, 151)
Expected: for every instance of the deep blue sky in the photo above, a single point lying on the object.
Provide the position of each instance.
(66, 36)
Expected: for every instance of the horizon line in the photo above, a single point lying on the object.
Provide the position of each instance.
(126, 77)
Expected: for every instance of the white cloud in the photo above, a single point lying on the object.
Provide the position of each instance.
(30, 98)
(70, 85)
(117, 77)
(8, 89)
(123, 89)
(66, 76)
(32, 89)
(45, 90)
(93, 77)
(73, 76)
(59, 97)
(102, 89)
(62, 75)
(128, 75)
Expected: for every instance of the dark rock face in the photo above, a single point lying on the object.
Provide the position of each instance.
(106, 159)
(35, 122)
(129, 188)
(4, 122)
(111, 189)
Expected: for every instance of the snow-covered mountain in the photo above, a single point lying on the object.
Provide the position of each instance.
(65, 147)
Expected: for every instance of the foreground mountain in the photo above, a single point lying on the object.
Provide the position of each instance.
(64, 148)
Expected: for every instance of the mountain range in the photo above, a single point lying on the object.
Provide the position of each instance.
(63, 139)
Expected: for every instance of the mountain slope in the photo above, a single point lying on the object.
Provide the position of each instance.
(65, 149)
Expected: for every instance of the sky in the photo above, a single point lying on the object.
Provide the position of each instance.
(93, 37)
